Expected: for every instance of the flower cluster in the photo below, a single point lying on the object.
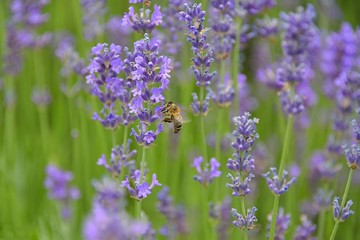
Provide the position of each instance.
(242, 163)
(94, 12)
(278, 184)
(305, 230)
(121, 157)
(282, 224)
(244, 222)
(255, 7)
(144, 21)
(205, 175)
(137, 187)
(57, 184)
(194, 18)
(341, 214)
(222, 213)
(108, 218)
(175, 218)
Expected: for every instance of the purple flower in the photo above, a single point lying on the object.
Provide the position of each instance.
(41, 97)
(103, 223)
(322, 167)
(240, 187)
(109, 194)
(224, 94)
(93, 13)
(305, 230)
(245, 132)
(244, 222)
(198, 107)
(146, 137)
(352, 155)
(267, 27)
(121, 157)
(29, 13)
(144, 22)
(241, 163)
(205, 175)
(282, 224)
(222, 213)
(138, 189)
(175, 218)
(278, 185)
(341, 214)
(291, 105)
(57, 184)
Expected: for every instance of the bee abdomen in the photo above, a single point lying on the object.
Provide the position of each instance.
(177, 128)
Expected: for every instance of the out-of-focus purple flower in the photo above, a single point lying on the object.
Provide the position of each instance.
(117, 32)
(41, 97)
(341, 214)
(138, 188)
(93, 13)
(121, 157)
(291, 105)
(205, 175)
(305, 230)
(355, 128)
(322, 167)
(175, 218)
(320, 202)
(267, 76)
(224, 94)
(278, 184)
(248, 102)
(13, 56)
(267, 27)
(109, 194)
(28, 12)
(222, 213)
(57, 184)
(104, 223)
(244, 222)
(198, 107)
(240, 187)
(145, 21)
(282, 224)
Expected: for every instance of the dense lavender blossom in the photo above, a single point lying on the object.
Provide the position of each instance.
(245, 132)
(57, 184)
(282, 224)
(198, 107)
(291, 105)
(224, 94)
(41, 97)
(145, 21)
(109, 194)
(121, 157)
(244, 222)
(352, 154)
(240, 187)
(175, 217)
(341, 214)
(267, 27)
(93, 13)
(305, 230)
(252, 7)
(137, 187)
(146, 137)
(205, 175)
(278, 184)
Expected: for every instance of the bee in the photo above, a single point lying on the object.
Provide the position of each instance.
(147, 3)
(172, 114)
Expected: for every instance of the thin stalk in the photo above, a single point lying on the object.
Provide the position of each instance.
(236, 61)
(280, 171)
(113, 137)
(243, 209)
(205, 212)
(202, 127)
(321, 224)
(343, 201)
(126, 129)
(142, 170)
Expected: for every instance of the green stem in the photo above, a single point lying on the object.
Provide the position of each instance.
(243, 209)
(236, 62)
(205, 213)
(343, 201)
(202, 127)
(113, 138)
(280, 172)
(126, 129)
(273, 218)
(321, 224)
(142, 170)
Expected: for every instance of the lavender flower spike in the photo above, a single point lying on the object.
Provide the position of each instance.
(352, 155)
(341, 214)
(247, 222)
(305, 231)
(245, 132)
(278, 186)
(138, 188)
(206, 176)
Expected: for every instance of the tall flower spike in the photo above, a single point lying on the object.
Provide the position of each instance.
(244, 222)
(276, 185)
(205, 175)
(245, 132)
(352, 155)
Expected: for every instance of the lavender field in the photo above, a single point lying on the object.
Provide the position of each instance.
(179, 119)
